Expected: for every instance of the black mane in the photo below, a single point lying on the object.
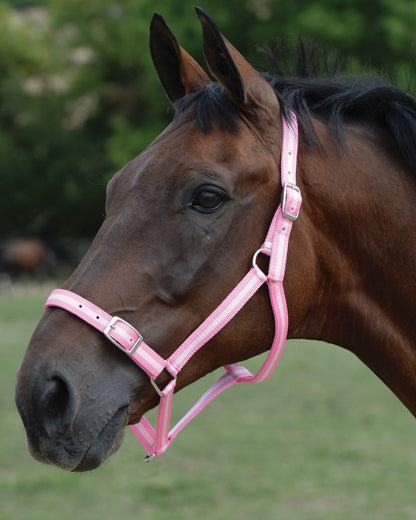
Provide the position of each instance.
(329, 97)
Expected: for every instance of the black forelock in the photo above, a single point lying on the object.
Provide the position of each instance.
(210, 106)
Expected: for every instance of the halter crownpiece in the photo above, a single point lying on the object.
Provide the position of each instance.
(130, 341)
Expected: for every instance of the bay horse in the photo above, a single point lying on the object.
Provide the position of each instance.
(183, 220)
(21, 255)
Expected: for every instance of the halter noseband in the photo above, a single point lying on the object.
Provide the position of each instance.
(130, 341)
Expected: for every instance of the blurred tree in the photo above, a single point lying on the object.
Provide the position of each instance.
(50, 156)
(79, 96)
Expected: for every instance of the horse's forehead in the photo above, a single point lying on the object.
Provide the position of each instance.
(183, 149)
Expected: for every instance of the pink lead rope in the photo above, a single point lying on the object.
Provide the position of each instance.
(130, 341)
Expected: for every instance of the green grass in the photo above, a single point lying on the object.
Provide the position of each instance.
(323, 439)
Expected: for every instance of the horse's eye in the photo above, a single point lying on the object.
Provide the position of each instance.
(207, 201)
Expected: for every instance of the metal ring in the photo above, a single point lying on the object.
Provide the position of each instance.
(156, 387)
(256, 254)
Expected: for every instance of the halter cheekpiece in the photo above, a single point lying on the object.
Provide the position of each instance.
(130, 341)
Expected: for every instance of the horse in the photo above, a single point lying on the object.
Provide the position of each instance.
(183, 220)
(21, 255)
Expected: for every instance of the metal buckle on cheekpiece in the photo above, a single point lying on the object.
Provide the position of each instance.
(286, 213)
(130, 349)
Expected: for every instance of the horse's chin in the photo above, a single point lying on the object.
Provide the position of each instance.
(84, 451)
(107, 442)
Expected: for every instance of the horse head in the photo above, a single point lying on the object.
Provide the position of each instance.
(182, 222)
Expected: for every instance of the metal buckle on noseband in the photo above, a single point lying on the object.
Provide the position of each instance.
(112, 325)
(285, 213)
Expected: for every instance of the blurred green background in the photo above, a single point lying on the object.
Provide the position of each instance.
(79, 96)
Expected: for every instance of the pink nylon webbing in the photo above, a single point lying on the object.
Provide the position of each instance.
(126, 337)
(123, 335)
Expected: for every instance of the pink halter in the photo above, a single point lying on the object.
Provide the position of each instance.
(130, 341)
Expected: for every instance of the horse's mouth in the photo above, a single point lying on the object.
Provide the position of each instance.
(106, 442)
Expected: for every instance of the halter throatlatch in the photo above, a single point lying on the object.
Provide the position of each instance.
(130, 341)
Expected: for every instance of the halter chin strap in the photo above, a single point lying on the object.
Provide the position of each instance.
(130, 341)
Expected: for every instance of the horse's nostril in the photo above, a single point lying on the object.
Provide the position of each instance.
(55, 404)
(57, 397)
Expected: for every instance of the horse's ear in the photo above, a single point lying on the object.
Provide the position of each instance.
(179, 73)
(244, 85)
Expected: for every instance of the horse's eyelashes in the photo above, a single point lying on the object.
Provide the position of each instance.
(208, 200)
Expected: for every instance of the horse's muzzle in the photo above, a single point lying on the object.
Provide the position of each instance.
(63, 427)
(75, 395)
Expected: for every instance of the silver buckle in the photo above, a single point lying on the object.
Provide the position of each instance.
(112, 325)
(284, 196)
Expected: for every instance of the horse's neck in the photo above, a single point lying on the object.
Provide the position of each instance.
(361, 227)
